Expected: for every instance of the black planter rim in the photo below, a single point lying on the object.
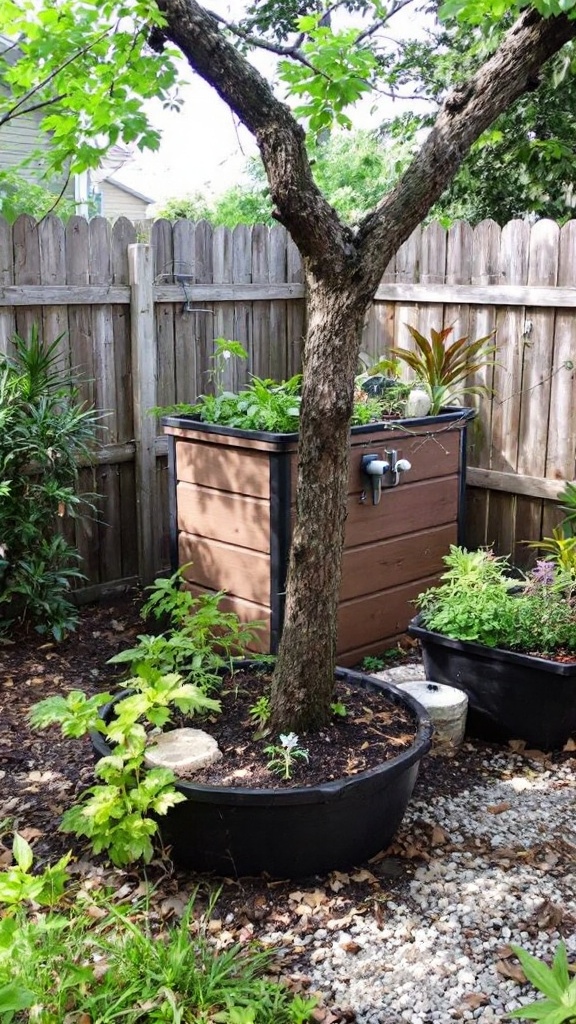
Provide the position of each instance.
(324, 792)
(558, 668)
(451, 414)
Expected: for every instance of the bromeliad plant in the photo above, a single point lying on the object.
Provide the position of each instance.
(44, 431)
(444, 368)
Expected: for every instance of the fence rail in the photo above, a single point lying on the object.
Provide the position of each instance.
(138, 322)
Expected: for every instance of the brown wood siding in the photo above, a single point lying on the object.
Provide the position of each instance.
(405, 509)
(376, 567)
(372, 619)
(234, 518)
(218, 566)
(224, 468)
(247, 612)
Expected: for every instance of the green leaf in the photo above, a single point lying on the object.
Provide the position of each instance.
(22, 853)
(541, 976)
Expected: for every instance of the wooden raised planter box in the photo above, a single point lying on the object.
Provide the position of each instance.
(232, 497)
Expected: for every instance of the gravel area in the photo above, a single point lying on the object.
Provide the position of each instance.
(500, 870)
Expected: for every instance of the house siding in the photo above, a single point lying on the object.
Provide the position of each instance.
(118, 203)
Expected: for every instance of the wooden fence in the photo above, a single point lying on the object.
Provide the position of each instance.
(138, 322)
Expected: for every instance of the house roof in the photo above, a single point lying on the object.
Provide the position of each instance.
(110, 180)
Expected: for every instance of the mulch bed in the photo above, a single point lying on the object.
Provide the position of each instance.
(42, 774)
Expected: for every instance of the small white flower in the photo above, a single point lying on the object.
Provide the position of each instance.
(289, 741)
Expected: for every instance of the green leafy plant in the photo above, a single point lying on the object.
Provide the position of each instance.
(443, 369)
(284, 755)
(555, 983)
(116, 964)
(339, 709)
(260, 713)
(560, 548)
(480, 601)
(202, 640)
(224, 350)
(18, 885)
(44, 431)
(119, 815)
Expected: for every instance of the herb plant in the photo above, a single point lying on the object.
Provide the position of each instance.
(478, 600)
(443, 369)
(555, 983)
(119, 814)
(260, 713)
(44, 431)
(201, 640)
(284, 755)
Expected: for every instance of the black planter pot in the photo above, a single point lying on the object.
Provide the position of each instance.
(511, 695)
(293, 833)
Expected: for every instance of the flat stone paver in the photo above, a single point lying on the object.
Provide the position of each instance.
(185, 751)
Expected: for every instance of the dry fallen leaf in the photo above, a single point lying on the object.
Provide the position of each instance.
(513, 971)
(439, 836)
(498, 808)
(475, 1000)
(351, 947)
(569, 745)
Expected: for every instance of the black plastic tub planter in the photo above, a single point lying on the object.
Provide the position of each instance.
(297, 832)
(511, 695)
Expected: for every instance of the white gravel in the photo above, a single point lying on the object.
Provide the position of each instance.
(436, 947)
(434, 957)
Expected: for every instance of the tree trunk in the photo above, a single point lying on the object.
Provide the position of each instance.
(304, 676)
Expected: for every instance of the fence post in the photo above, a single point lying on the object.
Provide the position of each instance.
(144, 380)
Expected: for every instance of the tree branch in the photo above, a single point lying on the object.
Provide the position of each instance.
(321, 237)
(466, 112)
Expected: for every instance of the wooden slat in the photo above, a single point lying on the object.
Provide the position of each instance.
(368, 620)
(514, 483)
(242, 274)
(224, 468)
(371, 568)
(234, 518)
(495, 295)
(277, 270)
(224, 321)
(237, 570)
(414, 294)
(188, 384)
(535, 398)
(502, 428)
(144, 396)
(7, 319)
(404, 509)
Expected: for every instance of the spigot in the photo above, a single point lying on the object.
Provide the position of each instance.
(374, 468)
(397, 466)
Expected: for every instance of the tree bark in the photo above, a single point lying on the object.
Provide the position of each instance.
(304, 678)
(343, 269)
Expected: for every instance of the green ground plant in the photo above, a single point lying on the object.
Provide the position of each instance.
(119, 815)
(480, 601)
(44, 430)
(91, 956)
(555, 983)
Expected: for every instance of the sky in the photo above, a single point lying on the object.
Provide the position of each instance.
(203, 146)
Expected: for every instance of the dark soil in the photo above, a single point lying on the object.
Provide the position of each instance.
(372, 731)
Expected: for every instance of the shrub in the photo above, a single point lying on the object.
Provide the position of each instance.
(44, 429)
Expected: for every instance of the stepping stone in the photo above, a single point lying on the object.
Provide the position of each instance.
(185, 751)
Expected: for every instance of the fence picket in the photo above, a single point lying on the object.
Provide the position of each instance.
(524, 443)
